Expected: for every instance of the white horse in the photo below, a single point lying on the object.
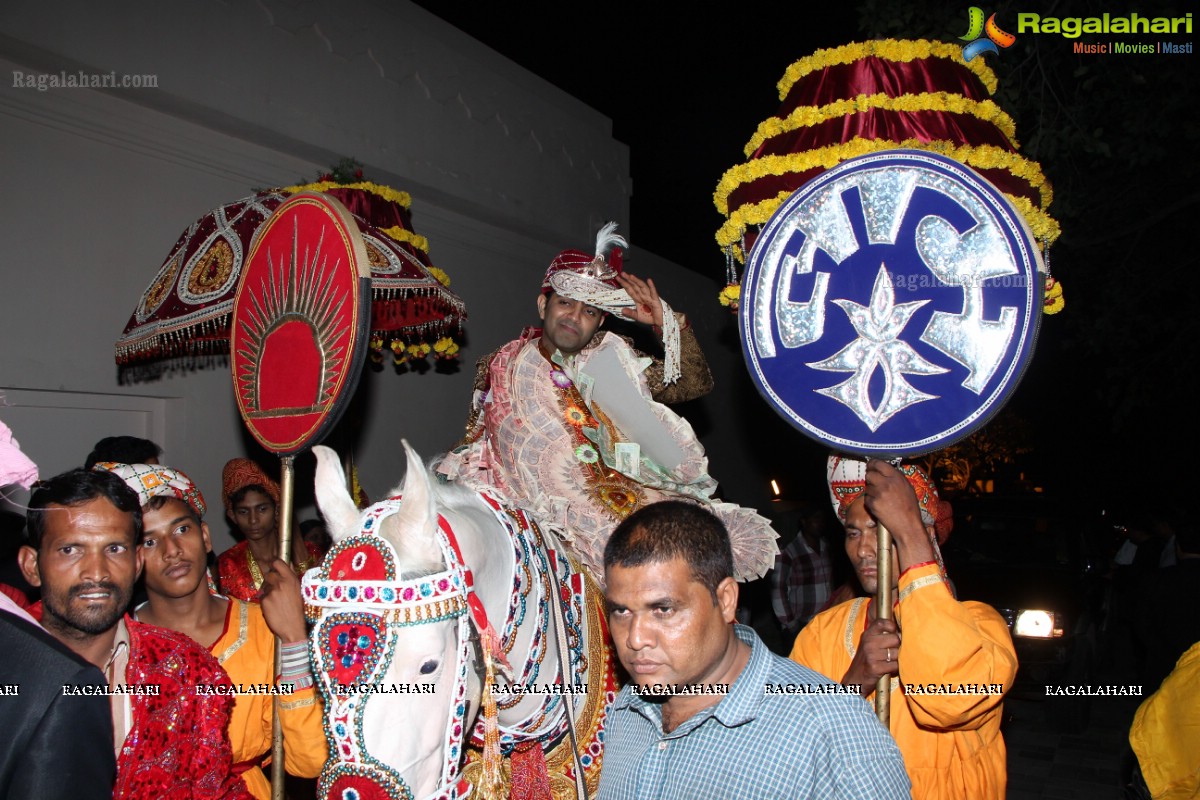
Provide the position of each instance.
(421, 605)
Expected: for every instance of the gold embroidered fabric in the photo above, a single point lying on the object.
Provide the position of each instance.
(696, 380)
(533, 437)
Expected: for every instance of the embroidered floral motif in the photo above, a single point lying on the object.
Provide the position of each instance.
(576, 415)
(619, 495)
(212, 270)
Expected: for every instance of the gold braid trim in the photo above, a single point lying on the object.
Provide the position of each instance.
(919, 583)
(851, 623)
(252, 564)
(291, 705)
(243, 623)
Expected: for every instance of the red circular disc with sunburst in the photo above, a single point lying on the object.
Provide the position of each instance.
(299, 325)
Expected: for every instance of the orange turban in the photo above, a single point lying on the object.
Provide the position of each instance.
(847, 480)
(240, 473)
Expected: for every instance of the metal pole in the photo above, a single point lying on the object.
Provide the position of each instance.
(287, 484)
(883, 610)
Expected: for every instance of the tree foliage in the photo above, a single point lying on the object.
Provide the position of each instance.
(987, 454)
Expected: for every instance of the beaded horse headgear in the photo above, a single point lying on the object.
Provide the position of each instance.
(354, 643)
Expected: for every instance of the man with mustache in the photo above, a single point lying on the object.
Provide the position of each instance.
(950, 662)
(84, 529)
(570, 421)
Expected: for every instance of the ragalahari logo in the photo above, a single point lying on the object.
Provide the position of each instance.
(978, 44)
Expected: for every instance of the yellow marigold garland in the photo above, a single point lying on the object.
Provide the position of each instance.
(731, 295)
(1044, 227)
(440, 276)
(984, 156)
(445, 347)
(403, 199)
(980, 157)
(408, 237)
(1053, 302)
(807, 116)
(888, 49)
(746, 215)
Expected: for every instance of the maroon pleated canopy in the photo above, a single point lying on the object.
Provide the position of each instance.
(182, 318)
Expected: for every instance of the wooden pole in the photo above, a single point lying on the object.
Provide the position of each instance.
(883, 610)
(287, 485)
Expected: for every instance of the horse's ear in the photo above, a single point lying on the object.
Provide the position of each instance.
(333, 498)
(411, 530)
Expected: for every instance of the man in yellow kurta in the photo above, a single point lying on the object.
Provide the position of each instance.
(950, 662)
(240, 634)
(1165, 735)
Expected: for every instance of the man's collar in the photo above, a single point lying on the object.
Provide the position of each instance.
(120, 649)
(746, 695)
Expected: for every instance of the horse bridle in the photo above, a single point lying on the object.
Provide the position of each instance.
(381, 603)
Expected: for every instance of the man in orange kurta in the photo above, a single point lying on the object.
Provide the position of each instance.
(950, 662)
(245, 651)
(240, 634)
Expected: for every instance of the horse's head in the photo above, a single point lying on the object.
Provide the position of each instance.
(392, 644)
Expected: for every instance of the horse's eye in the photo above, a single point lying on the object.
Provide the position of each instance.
(429, 666)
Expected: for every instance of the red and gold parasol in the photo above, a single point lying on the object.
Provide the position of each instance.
(183, 316)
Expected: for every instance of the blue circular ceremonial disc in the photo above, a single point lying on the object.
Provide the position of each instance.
(891, 304)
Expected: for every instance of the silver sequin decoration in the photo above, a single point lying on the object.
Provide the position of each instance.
(964, 261)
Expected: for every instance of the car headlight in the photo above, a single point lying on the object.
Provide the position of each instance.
(1037, 624)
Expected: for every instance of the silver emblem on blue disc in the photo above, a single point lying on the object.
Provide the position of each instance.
(891, 304)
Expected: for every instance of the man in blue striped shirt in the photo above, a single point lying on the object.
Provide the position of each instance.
(710, 712)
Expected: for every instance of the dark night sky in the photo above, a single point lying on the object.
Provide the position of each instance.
(685, 91)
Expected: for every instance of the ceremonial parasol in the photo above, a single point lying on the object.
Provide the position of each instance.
(182, 319)
(298, 332)
(891, 302)
(865, 97)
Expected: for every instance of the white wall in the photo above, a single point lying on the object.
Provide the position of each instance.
(504, 170)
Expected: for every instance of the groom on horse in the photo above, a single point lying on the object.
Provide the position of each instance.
(569, 421)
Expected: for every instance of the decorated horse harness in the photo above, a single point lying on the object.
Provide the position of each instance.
(366, 605)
